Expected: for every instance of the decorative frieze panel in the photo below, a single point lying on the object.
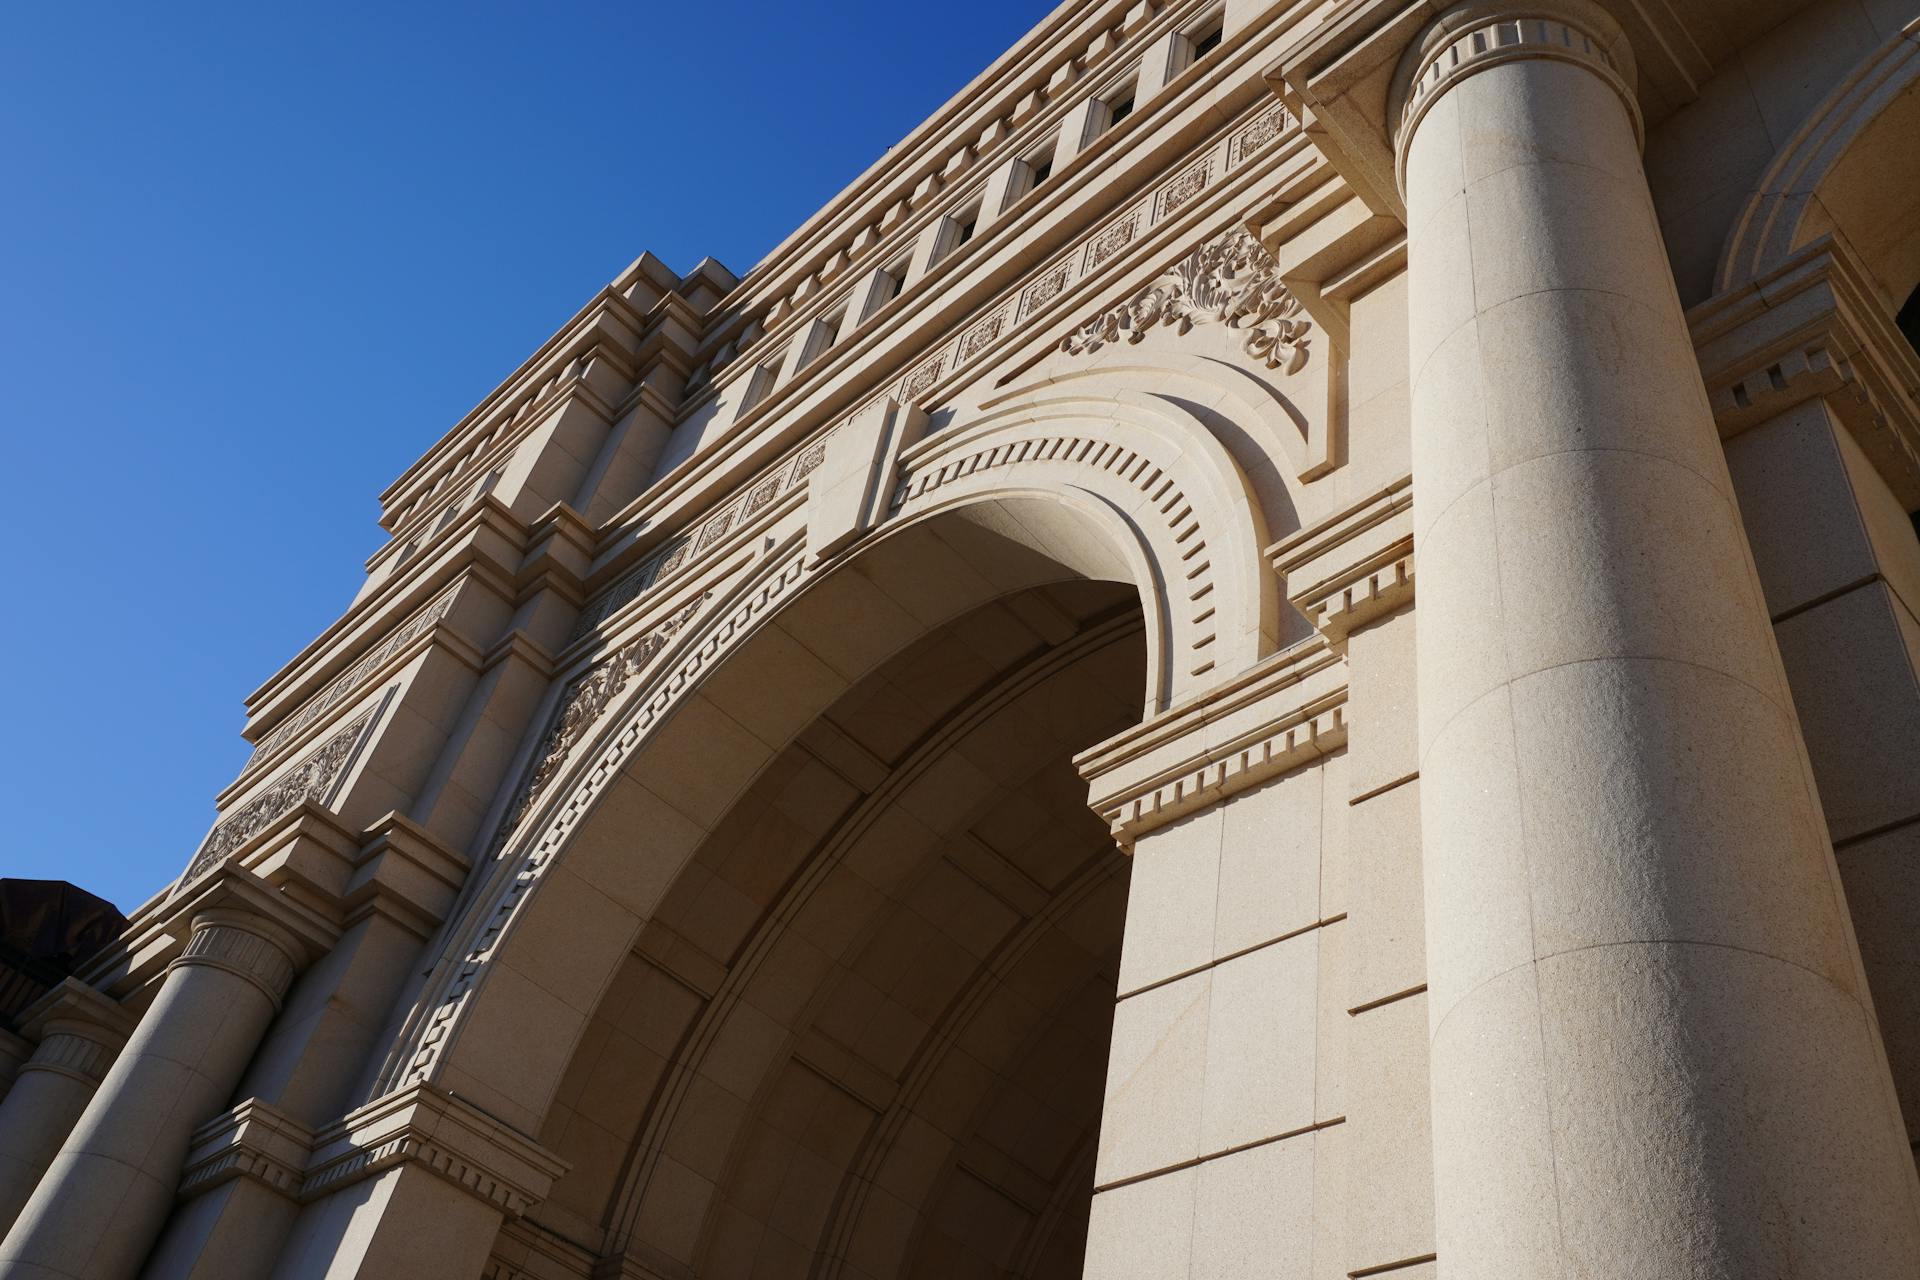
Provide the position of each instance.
(581, 705)
(311, 781)
(348, 682)
(1232, 281)
(755, 496)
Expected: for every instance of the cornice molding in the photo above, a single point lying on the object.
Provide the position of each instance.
(1284, 714)
(487, 542)
(1813, 327)
(420, 1125)
(252, 1140)
(1353, 567)
(426, 1126)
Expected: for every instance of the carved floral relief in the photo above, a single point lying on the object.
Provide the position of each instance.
(1232, 281)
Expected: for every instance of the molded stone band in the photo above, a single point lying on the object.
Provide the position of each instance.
(1476, 37)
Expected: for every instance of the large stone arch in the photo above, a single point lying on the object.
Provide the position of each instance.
(1062, 477)
(1850, 171)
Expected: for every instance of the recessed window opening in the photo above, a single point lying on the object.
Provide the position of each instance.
(1120, 106)
(966, 224)
(760, 382)
(1041, 167)
(826, 332)
(1207, 41)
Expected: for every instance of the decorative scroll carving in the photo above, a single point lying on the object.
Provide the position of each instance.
(312, 780)
(337, 691)
(1231, 281)
(581, 704)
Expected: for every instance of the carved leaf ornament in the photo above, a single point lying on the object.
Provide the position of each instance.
(1232, 281)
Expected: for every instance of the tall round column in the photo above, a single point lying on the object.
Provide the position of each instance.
(103, 1201)
(1652, 1051)
(79, 1032)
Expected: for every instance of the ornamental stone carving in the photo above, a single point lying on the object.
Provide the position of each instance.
(348, 683)
(581, 703)
(1232, 281)
(312, 780)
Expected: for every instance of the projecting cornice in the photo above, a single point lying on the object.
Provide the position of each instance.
(1812, 326)
(1286, 712)
(419, 1125)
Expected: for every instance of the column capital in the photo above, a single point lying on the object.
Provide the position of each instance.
(1339, 76)
(1482, 34)
(79, 1032)
(245, 944)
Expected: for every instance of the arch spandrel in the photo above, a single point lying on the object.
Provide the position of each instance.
(1086, 473)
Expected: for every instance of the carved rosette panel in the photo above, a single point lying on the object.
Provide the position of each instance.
(312, 780)
(1232, 281)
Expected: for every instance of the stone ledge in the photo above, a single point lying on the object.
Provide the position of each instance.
(1810, 328)
(424, 1125)
(1355, 566)
(1288, 711)
(252, 1140)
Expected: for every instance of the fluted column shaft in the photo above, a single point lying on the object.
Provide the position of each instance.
(79, 1032)
(1652, 1052)
(104, 1198)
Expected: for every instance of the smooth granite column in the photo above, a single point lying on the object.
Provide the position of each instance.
(79, 1031)
(103, 1201)
(1652, 1051)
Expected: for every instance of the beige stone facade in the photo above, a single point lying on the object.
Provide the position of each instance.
(933, 758)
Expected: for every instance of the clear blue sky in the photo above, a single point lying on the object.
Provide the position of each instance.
(254, 259)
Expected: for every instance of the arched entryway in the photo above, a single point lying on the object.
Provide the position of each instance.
(822, 983)
(865, 1031)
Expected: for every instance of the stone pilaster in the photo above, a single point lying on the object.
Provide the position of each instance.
(1652, 1051)
(78, 1032)
(1217, 1136)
